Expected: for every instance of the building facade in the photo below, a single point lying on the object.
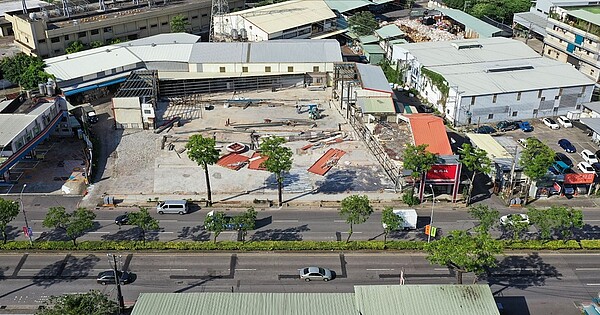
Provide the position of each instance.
(46, 33)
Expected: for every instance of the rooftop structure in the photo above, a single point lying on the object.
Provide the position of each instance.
(474, 27)
(430, 130)
(343, 6)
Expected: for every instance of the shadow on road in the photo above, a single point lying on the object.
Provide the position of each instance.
(194, 233)
(69, 269)
(289, 234)
(12, 232)
(587, 232)
(521, 272)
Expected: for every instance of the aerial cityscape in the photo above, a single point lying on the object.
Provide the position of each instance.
(291, 157)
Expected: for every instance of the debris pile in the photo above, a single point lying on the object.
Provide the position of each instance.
(419, 32)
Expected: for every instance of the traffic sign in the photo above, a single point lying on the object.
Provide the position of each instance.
(427, 229)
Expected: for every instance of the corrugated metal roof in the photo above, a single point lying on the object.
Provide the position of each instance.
(482, 28)
(389, 31)
(10, 6)
(163, 52)
(375, 105)
(12, 124)
(430, 130)
(592, 123)
(368, 39)
(585, 15)
(398, 41)
(593, 106)
(245, 304)
(346, 5)
(373, 78)
(285, 15)
(490, 145)
(373, 49)
(168, 38)
(452, 299)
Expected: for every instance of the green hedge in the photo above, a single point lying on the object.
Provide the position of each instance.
(539, 245)
(590, 244)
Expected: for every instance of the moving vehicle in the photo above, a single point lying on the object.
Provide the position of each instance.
(525, 126)
(409, 218)
(315, 273)
(589, 157)
(586, 168)
(550, 123)
(486, 130)
(172, 206)
(89, 113)
(123, 219)
(564, 121)
(514, 218)
(108, 277)
(507, 125)
(563, 158)
(567, 146)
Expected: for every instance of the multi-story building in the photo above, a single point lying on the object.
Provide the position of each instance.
(47, 33)
(573, 36)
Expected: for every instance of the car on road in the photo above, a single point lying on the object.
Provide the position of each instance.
(507, 125)
(563, 158)
(123, 219)
(315, 273)
(550, 123)
(589, 157)
(525, 126)
(567, 146)
(564, 121)
(585, 167)
(514, 218)
(108, 277)
(486, 130)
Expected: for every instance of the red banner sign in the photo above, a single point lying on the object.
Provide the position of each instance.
(574, 178)
(442, 172)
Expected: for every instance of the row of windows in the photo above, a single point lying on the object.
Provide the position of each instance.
(543, 98)
(268, 69)
(535, 112)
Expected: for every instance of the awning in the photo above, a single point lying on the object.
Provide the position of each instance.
(579, 179)
(111, 82)
(80, 90)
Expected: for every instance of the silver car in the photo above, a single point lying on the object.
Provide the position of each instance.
(315, 273)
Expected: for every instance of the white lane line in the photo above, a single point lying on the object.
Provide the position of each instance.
(593, 284)
(159, 232)
(382, 269)
(172, 269)
(352, 232)
(440, 269)
(587, 269)
(96, 232)
(285, 221)
(168, 220)
(241, 269)
(339, 221)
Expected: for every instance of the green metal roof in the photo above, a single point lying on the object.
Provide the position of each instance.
(374, 105)
(373, 49)
(245, 304)
(474, 299)
(346, 5)
(586, 15)
(398, 41)
(368, 39)
(482, 28)
(389, 31)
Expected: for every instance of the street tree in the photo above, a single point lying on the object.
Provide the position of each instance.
(8, 211)
(73, 224)
(74, 47)
(355, 209)
(464, 252)
(24, 70)
(202, 151)
(363, 23)
(556, 220)
(488, 217)
(179, 24)
(515, 227)
(536, 158)
(418, 160)
(215, 223)
(143, 221)
(390, 222)
(245, 222)
(279, 161)
(477, 161)
(90, 303)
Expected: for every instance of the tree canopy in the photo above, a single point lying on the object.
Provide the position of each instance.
(418, 160)
(487, 217)
(90, 303)
(143, 221)
(279, 160)
(477, 161)
(73, 224)
(76, 46)
(363, 23)
(536, 158)
(26, 71)
(179, 24)
(215, 223)
(245, 222)
(556, 220)
(202, 151)
(499, 10)
(8, 211)
(390, 222)
(355, 209)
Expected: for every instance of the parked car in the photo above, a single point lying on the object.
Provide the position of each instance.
(567, 146)
(563, 158)
(522, 142)
(559, 167)
(315, 273)
(123, 219)
(108, 277)
(484, 130)
(507, 125)
(596, 167)
(525, 126)
(585, 167)
(598, 155)
(550, 123)
(589, 157)
(514, 218)
(564, 121)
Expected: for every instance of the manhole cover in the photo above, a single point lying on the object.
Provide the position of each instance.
(186, 175)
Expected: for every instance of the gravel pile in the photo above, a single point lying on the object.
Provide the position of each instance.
(419, 32)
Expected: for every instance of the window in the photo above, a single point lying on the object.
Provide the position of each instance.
(583, 88)
(55, 40)
(94, 32)
(519, 96)
(290, 69)
(194, 17)
(57, 51)
(560, 91)
(539, 93)
(244, 69)
(204, 15)
(535, 112)
(267, 69)
(221, 69)
(143, 28)
(556, 97)
(514, 114)
(472, 100)
(107, 29)
(494, 98)
(41, 41)
(164, 23)
(543, 98)
(153, 25)
(315, 68)
(549, 51)
(147, 111)
(81, 34)
(490, 116)
(66, 37)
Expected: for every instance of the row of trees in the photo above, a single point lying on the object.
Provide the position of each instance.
(219, 222)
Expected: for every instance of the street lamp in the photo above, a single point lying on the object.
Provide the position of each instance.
(431, 217)
(25, 215)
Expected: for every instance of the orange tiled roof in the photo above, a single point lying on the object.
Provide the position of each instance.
(429, 129)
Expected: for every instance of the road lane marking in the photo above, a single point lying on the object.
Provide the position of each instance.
(587, 269)
(159, 232)
(593, 284)
(169, 221)
(96, 232)
(285, 221)
(241, 269)
(172, 269)
(352, 232)
(382, 269)
(339, 221)
(440, 269)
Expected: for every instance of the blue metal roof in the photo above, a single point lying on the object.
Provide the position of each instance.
(82, 89)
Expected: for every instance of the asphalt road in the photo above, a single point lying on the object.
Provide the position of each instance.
(546, 284)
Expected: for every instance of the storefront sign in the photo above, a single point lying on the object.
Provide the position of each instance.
(579, 179)
(442, 172)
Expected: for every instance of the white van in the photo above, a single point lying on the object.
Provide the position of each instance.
(172, 206)
(409, 218)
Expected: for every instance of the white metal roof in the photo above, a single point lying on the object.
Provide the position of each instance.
(11, 125)
(10, 6)
(490, 145)
(373, 78)
(296, 50)
(163, 52)
(168, 38)
(289, 14)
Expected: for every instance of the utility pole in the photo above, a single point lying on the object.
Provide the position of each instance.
(117, 282)
(28, 230)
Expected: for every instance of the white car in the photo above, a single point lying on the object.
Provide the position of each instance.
(514, 218)
(589, 157)
(550, 123)
(522, 142)
(585, 167)
(564, 121)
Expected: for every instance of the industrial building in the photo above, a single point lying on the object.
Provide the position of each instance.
(49, 30)
(476, 81)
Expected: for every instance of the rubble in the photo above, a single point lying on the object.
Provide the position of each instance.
(419, 32)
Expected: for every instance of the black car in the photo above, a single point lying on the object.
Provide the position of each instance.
(485, 130)
(567, 146)
(108, 277)
(597, 154)
(563, 158)
(596, 167)
(507, 126)
(123, 219)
